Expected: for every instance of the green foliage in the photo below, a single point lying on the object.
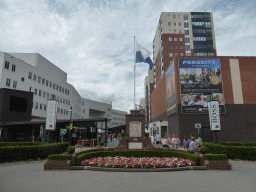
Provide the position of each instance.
(203, 150)
(139, 153)
(101, 143)
(71, 149)
(39, 138)
(59, 157)
(2, 144)
(146, 134)
(16, 153)
(123, 134)
(216, 157)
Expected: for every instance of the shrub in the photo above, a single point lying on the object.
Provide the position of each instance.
(216, 157)
(123, 134)
(101, 143)
(71, 149)
(146, 134)
(59, 157)
(203, 150)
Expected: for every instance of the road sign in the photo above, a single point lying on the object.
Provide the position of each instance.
(63, 131)
(154, 125)
(198, 125)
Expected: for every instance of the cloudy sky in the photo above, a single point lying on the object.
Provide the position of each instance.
(93, 40)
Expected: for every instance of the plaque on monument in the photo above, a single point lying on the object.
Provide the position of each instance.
(135, 145)
(135, 129)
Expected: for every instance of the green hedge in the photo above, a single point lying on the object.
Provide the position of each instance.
(139, 153)
(59, 157)
(3, 144)
(237, 144)
(123, 134)
(233, 152)
(216, 157)
(16, 153)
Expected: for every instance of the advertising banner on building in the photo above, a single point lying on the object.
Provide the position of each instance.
(214, 115)
(51, 115)
(200, 81)
(170, 90)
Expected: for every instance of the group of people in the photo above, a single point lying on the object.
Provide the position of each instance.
(193, 144)
(115, 136)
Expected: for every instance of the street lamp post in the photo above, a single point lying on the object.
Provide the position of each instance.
(71, 126)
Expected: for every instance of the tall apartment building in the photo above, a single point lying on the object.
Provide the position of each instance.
(182, 34)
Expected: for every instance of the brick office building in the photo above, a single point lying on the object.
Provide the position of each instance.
(239, 92)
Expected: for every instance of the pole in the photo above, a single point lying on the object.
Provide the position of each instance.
(105, 133)
(134, 72)
(70, 128)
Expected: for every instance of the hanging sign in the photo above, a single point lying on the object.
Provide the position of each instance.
(214, 115)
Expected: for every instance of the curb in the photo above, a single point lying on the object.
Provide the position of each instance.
(137, 169)
(19, 163)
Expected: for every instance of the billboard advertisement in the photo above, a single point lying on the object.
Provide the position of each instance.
(51, 115)
(170, 90)
(201, 82)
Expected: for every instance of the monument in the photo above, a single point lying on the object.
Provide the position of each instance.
(135, 133)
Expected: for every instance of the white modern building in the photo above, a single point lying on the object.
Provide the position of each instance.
(32, 72)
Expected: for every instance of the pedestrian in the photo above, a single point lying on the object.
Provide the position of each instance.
(187, 145)
(111, 137)
(158, 139)
(191, 136)
(198, 141)
(114, 136)
(169, 141)
(192, 146)
(184, 141)
(119, 135)
(165, 142)
(152, 139)
(176, 142)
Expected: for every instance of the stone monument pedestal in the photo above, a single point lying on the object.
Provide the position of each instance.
(135, 133)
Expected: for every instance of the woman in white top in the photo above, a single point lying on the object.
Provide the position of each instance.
(165, 142)
(152, 139)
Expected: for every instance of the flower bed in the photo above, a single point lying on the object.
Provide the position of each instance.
(134, 162)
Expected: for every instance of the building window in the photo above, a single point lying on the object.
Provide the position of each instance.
(185, 17)
(179, 23)
(58, 111)
(41, 106)
(13, 68)
(174, 24)
(186, 32)
(29, 75)
(82, 103)
(179, 16)
(180, 39)
(39, 79)
(83, 110)
(36, 106)
(68, 92)
(35, 91)
(40, 93)
(43, 80)
(169, 16)
(44, 94)
(187, 40)
(63, 101)
(169, 23)
(169, 31)
(187, 47)
(188, 54)
(170, 39)
(175, 38)
(14, 84)
(174, 16)
(175, 47)
(6, 66)
(66, 101)
(61, 111)
(47, 83)
(48, 95)
(44, 107)
(60, 100)
(170, 46)
(8, 82)
(57, 87)
(181, 46)
(34, 77)
(186, 25)
(50, 84)
(53, 86)
(180, 31)
(181, 54)
(171, 54)
(60, 89)
(176, 54)
(175, 31)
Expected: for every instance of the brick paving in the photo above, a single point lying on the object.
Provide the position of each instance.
(32, 177)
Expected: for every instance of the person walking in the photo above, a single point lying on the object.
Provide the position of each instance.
(158, 139)
(187, 145)
(184, 141)
(152, 139)
(177, 142)
(192, 146)
(165, 142)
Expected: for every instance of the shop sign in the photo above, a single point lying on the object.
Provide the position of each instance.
(214, 115)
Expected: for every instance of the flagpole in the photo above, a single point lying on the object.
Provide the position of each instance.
(134, 73)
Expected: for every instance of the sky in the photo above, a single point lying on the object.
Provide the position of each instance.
(93, 40)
